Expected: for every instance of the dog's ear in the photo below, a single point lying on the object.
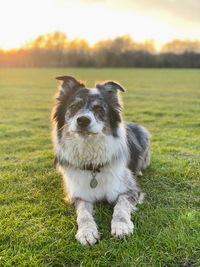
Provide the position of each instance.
(68, 84)
(110, 87)
(109, 90)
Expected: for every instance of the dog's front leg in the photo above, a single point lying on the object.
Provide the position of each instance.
(87, 229)
(121, 224)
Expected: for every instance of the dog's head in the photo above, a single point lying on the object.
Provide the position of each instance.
(85, 111)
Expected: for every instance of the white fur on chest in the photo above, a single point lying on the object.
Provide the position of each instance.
(96, 150)
(110, 183)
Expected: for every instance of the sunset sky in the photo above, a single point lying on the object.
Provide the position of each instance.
(94, 20)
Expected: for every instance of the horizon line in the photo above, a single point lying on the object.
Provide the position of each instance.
(158, 45)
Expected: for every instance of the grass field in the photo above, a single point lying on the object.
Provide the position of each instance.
(37, 228)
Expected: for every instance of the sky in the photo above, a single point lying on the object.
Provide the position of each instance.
(94, 20)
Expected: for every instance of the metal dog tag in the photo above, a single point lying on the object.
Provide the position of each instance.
(93, 182)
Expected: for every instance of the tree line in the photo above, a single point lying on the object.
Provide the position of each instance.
(56, 50)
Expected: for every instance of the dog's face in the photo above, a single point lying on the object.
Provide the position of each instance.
(85, 111)
(88, 113)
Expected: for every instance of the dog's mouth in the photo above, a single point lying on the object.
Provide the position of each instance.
(84, 132)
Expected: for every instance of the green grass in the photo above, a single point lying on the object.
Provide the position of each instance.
(37, 228)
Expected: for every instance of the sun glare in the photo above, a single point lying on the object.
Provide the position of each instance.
(88, 20)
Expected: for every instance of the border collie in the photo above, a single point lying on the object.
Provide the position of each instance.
(98, 154)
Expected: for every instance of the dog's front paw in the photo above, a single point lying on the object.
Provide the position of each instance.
(121, 229)
(88, 236)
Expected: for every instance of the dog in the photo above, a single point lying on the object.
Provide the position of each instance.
(98, 154)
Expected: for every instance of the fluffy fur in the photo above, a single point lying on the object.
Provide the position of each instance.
(91, 140)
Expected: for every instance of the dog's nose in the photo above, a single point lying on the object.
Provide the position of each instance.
(83, 121)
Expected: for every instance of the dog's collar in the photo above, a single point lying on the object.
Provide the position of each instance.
(86, 167)
(92, 168)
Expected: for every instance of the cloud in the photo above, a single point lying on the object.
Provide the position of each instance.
(182, 9)
(187, 10)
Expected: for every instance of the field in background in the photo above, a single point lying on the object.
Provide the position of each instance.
(38, 229)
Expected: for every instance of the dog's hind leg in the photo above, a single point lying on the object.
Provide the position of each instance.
(121, 224)
(87, 229)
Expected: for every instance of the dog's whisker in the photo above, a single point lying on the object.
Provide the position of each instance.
(60, 129)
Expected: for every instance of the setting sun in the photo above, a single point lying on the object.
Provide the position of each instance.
(22, 21)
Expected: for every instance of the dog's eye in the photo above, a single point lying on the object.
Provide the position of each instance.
(98, 109)
(72, 107)
(75, 107)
